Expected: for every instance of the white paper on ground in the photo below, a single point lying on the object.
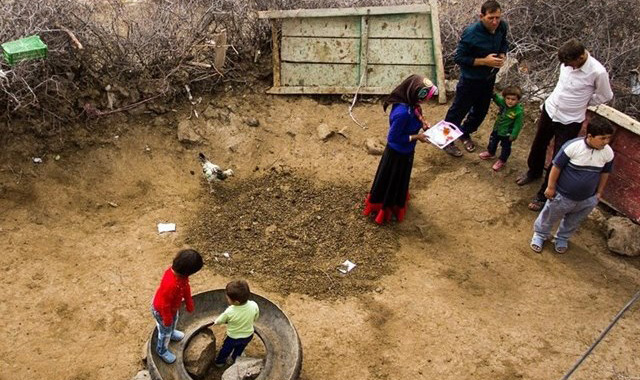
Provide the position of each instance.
(442, 134)
(166, 227)
(346, 267)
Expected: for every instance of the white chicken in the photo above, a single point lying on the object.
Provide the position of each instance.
(211, 171)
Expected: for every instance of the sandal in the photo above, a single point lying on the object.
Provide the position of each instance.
(536, 205)
(469, 146)
(561, 247)
(452, 150)
(524, 179)
(536, 244)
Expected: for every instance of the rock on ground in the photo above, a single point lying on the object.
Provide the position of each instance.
(252, 122)
(374, 146)
(598, 217)
(142, 375)
(624, 236)
(245, 368)
(200, 353)
(325, 132)
(187, 132)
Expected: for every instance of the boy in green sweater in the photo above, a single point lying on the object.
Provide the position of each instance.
(507, 125)
(239, 317)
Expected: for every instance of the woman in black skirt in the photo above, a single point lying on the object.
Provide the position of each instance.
(390, 190)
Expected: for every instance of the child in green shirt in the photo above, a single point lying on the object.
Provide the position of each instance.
(507, 125)
(239, 318)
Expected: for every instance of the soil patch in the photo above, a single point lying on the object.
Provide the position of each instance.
(292, 233)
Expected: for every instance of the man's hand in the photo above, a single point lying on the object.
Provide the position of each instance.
(550, 192)
(493, 60)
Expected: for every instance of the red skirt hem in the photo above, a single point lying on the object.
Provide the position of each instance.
(384, 214)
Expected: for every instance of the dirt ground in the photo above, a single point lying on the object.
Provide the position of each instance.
(454, 292)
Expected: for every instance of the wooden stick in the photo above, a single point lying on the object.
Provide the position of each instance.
(72, 36)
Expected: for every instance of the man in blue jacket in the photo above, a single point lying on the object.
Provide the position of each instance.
(480, 54)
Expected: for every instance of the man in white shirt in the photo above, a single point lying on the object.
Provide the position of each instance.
(583, 82)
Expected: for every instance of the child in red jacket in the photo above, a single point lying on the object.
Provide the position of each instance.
(174, 288)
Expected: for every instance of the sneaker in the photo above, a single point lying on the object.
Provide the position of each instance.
(486, 155)
(219, 365)
(498, 165)
(177, 335)
(168, 357)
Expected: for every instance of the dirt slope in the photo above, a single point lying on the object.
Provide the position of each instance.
(455, 293)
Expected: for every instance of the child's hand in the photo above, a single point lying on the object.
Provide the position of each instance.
(512, 139)
(422, 137)
(550, 192)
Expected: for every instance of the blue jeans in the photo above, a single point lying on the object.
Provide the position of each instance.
(472, 100)
(164, 332)
(233, 347)
(504, 141)
(568, 212)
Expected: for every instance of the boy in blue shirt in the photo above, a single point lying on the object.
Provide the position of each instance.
(579, 174)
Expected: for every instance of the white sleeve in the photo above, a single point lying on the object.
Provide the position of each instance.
(602, 93)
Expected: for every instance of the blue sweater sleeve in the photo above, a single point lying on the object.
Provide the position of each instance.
(398, 129)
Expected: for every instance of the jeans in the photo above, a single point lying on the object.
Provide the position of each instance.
(472, 100)
(547, 130)
(504, 141)
(164, 332)
(232, 346)
(568, 212)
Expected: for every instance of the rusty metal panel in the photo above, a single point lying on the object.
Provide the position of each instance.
(400, 51)
(347, 50)
(623, 188)
(321, 27)
(388, 76)
(400, 26)
(318, 74)
(321, 50)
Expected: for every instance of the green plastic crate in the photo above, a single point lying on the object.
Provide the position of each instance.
(30, 47)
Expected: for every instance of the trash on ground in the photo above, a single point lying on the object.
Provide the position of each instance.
(23, 49)
(112, 204)
(166, 227)
(37, 160)
(346, 267)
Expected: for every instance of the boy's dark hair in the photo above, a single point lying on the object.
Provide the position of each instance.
(489, 6)
(238, 290)
(187, 262)
(599, 127)
(570, 51)
(512, 90)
